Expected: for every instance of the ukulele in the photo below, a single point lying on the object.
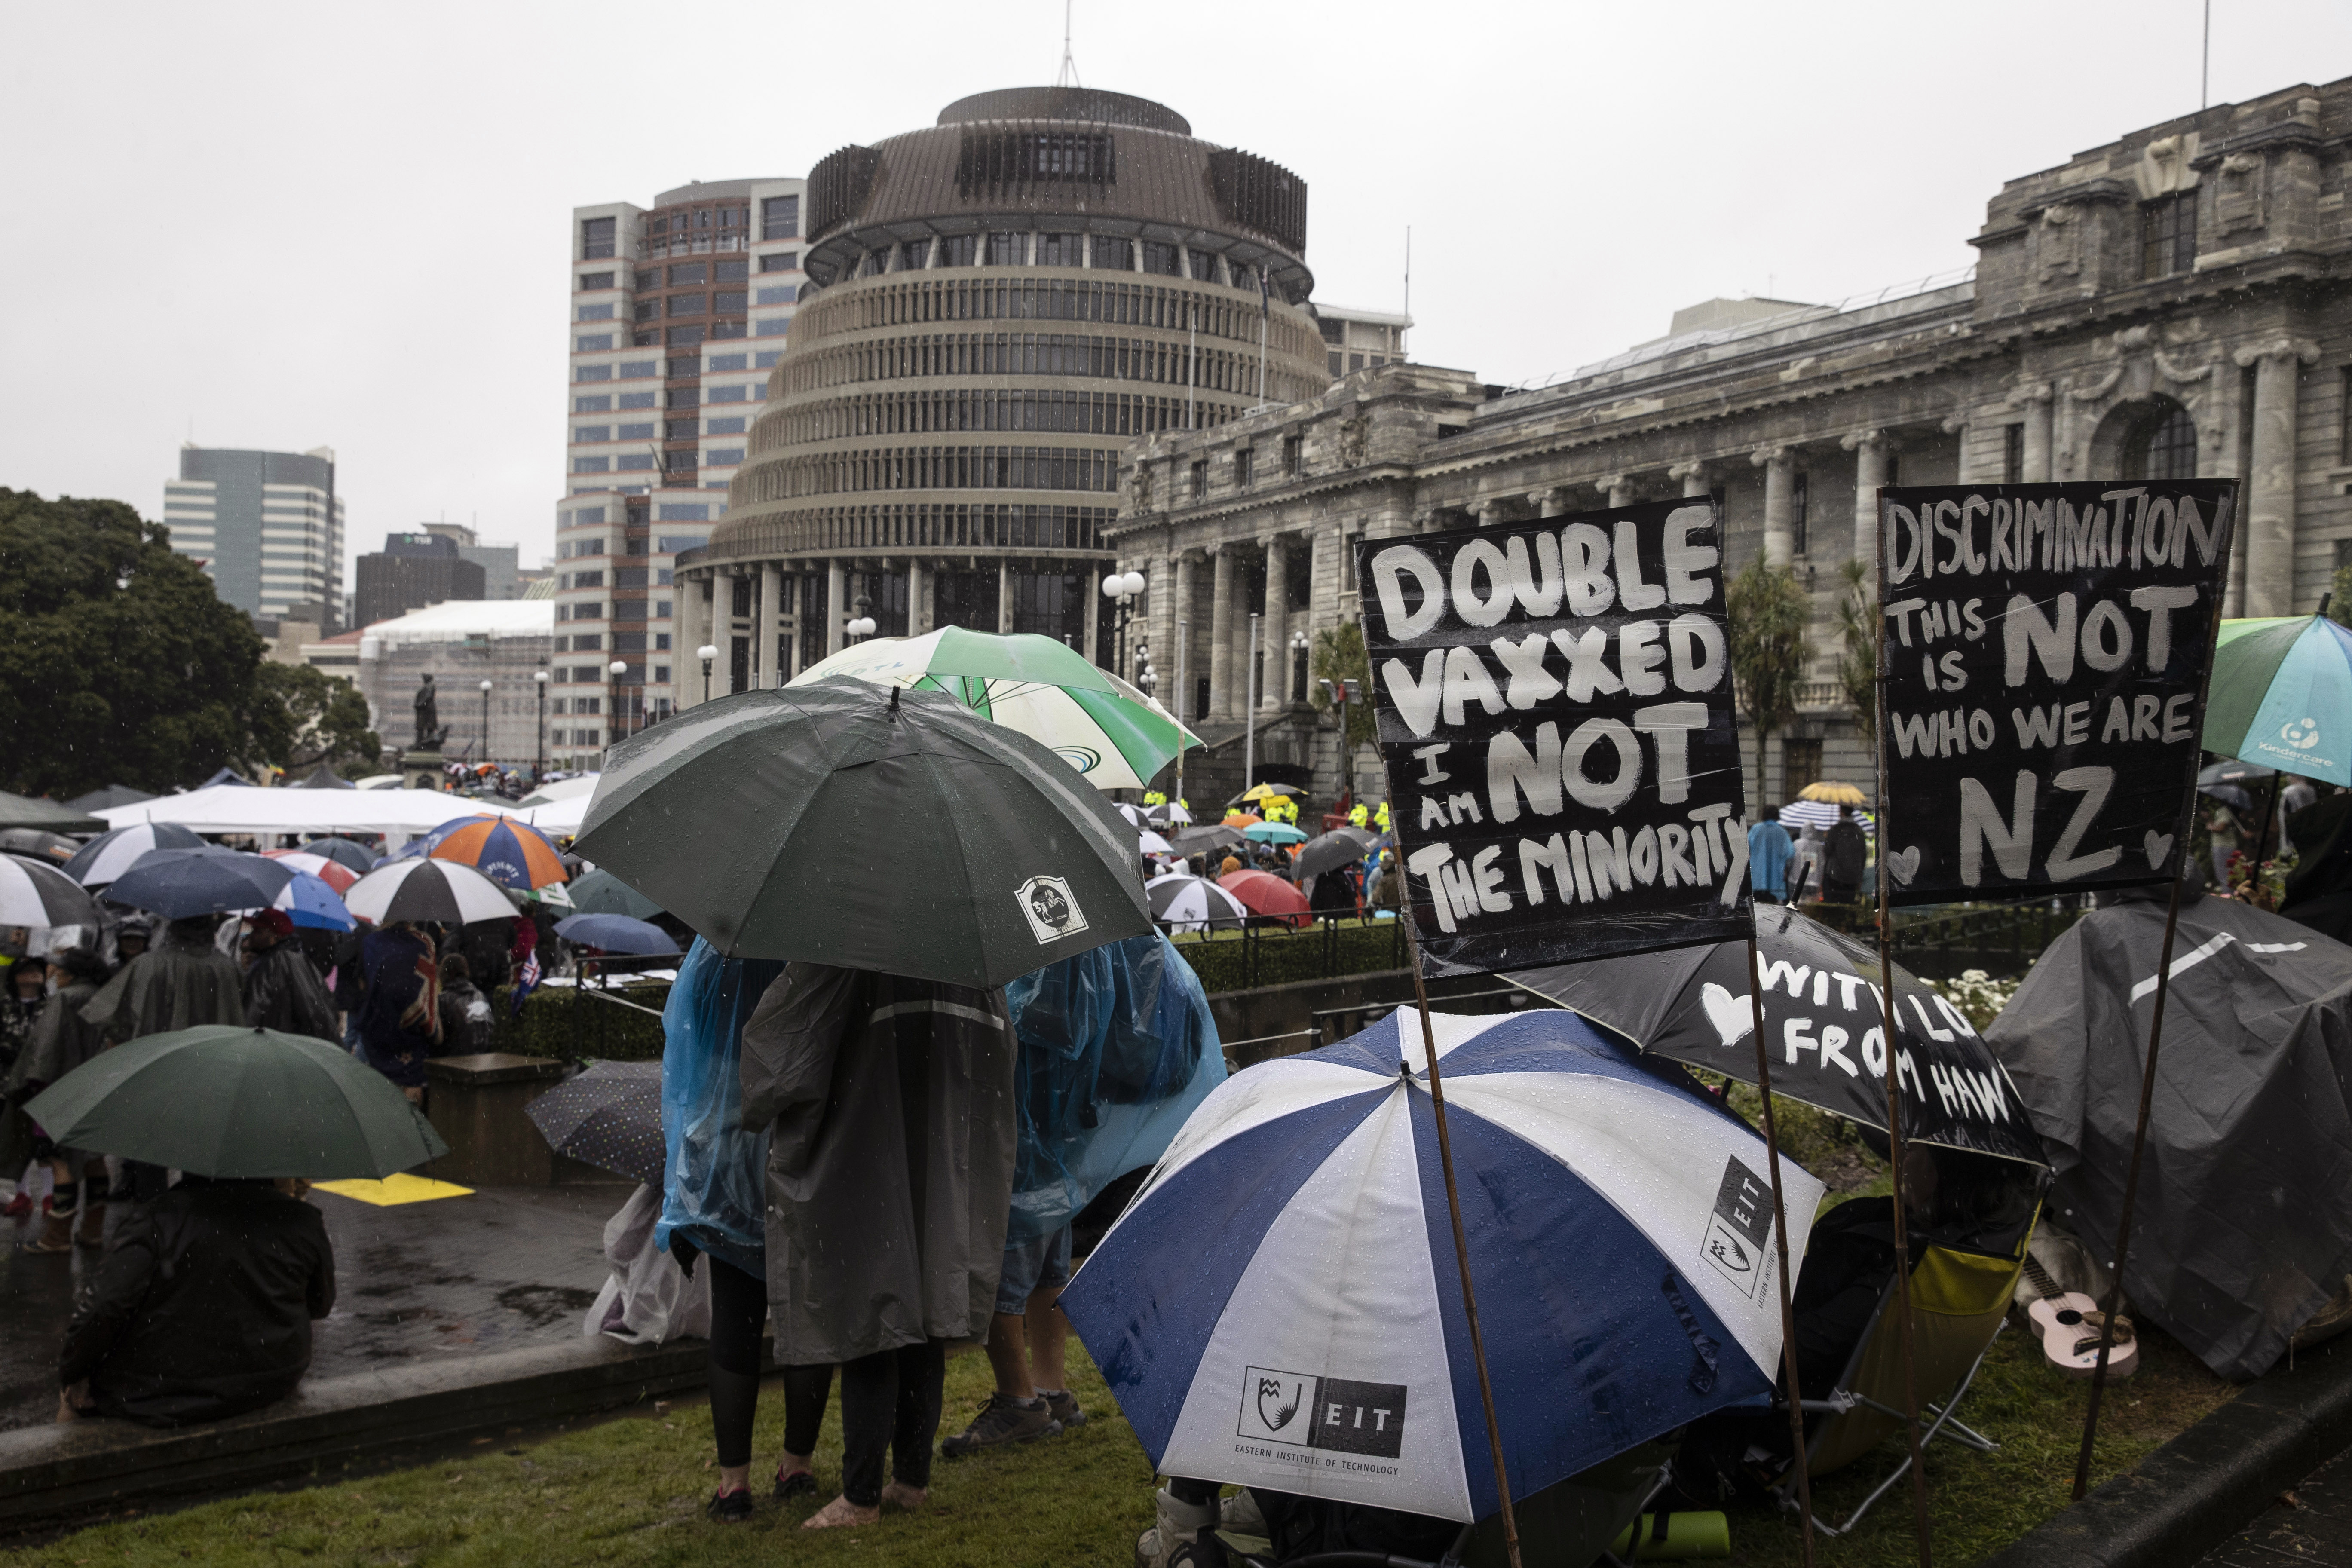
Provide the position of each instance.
(2067, 1322)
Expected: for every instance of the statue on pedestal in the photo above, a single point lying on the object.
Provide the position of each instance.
(430, 730)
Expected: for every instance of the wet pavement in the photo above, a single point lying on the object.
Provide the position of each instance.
(2309, 1522)
(502, 1268)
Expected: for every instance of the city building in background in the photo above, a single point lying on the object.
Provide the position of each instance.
(997, 305)
(411, 570)
(267, 527)
(2175, 304)
(501, 576)
(462, 643)
(1357, 340)
(678, 310)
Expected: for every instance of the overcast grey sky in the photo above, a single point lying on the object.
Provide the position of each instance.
(289, 226)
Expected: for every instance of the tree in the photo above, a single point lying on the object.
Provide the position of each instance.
(1339, 654)
(315, 718)
(1768, 611)
(1858, 640)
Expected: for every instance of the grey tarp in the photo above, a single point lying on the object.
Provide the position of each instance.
(891, 1115)
(2243, 1224)
(178, 984)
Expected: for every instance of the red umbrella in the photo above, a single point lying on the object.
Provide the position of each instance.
(1263, 893)
(334, 873)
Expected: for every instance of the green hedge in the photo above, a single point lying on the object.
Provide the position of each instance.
(557, 1021)
(1231, 961)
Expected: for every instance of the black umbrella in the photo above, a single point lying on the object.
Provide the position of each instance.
(1216, 836)
(179, 883)
(609, 1116)
(35, 893)
(599, 893)
(344, 852)
(1340, 846)
(1823, 1025)
(2231, 770)
(892, 830)
(55, 848)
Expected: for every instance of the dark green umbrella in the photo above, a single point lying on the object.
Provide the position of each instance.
(599, 893)
(221, 1101)
(874, 829)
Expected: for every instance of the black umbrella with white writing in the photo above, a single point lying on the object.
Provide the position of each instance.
(1823, 1027)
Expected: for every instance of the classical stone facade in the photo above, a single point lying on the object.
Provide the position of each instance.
(2178, 303)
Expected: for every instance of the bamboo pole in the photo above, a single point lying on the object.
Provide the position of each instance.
(1780, 1236)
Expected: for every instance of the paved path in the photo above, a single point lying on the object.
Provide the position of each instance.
(2310, 1523)
(503, 1268)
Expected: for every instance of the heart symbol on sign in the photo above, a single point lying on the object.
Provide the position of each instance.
(1734, 1017)
(2159, 846)
(1903, 863)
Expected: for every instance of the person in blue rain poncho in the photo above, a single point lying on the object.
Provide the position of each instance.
(1117, 1047)
(714, 1204)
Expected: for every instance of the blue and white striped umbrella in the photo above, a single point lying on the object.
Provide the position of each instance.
(1281, 1305)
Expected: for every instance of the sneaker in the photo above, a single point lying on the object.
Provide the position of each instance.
(731, 1507)
(798, 1484)
(1064, 1404)
(1004, 1419)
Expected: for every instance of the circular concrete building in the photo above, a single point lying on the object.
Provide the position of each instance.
(996, 306)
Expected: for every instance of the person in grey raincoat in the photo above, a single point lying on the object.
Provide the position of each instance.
(183, 981)
(61, 1042)
(282, 992)
(892, 1127)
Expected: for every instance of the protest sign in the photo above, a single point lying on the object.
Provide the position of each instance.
(2046, 651)
(1555, 713)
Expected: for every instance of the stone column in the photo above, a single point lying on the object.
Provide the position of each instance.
(2037, 400)
(1869, 449)
(836, 585)
(1697, 478)
(1620, 488)
(1488, 513)
(763, 642)
(1552, 503)
(2269, 487)
(722, 592)
(1274, 632)
(1092, 593)
(919, 599)
(1182, 647)
(1221, 702)
(686, 606)
(1964, 469)
(1779, 476)
(1005, 597)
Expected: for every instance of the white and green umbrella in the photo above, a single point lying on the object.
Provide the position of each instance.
(1114, 734)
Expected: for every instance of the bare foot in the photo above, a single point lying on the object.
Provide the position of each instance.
(898, 1494)
(838, 1512)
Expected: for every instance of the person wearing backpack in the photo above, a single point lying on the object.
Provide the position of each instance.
(465, 1011)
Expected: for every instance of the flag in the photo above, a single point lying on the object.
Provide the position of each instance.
(526, 979)
(1265, 303)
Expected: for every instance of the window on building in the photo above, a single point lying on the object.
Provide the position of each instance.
(648, 309)
(636, 400)
(724, 428)
(2167, 234)
(649, 279)
(591, 432)
(727, 303)
(726, 362)
(782, 261)
(765, 360)
(600, 404)
(685, 365)
(1800, 502)
(2163, 447)
(684, 397)
(595, 239)
(778, 294)
(1291, 448)
(2012, 453)
(603, 313)
(1061, 249)
(689, 274)
(724, 456)
(592, 280)
(1167, 261)
(682, 462)
(1204, 266)
(1008, 249)
(689, 304)
(1117, 255)
(633, 369)
(644, 432)
(1243, 461)
(588, 580)
(958, 250)
(730, 271)
(1333, 357)
(913, 256)
(591, 465)
(1333, 331)
(595, 342)
(780, 217)
(682, 429)
(726, 395)
(684, 337)
(636, 461)
(1200, 479)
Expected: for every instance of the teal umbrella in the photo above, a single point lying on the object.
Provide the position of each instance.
(2282, 696)
(599, 893)
(222, 1100)
(1274, 833)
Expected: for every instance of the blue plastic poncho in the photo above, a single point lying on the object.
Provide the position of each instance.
(715, 1175)
(1118, 1047)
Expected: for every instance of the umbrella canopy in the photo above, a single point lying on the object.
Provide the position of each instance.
(347, 852)
(1822, 1023)
(1833, 794)
(599, 893)
(609, 1116)
(427, 889)
(1238, 820)
(1262, 791)
(1818, 813)
(39, 842)
(1264, 893)
(2282, 694)
(34, 893)
(1114, 734)
(178, 884)
(1274, 833)
(2229, 794)
(512, 853)
(1150, 843)
(1168, 814)
(111, 854)
(615, 934)
(1340, 846)
(325, 869)
(309, 901)
(24, 811)
(2233, 770)
(1194, 903)
(908, 836)
(227, 1102)
(1291, 1260)
(1195, 840)
(579, 785)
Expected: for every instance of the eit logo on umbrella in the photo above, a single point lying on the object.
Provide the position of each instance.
(1740, 1227)
(1051, 908)
(1336, 1414)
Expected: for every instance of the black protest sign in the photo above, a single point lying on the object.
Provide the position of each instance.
(2046, 651)
(1556, 718)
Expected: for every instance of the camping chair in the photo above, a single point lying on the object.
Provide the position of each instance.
(1960, 1303)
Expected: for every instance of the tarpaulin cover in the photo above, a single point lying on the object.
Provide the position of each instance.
(713, 1181)
(2243, 1229)
(1118, 1046)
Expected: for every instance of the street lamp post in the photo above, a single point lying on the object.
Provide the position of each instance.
(617, 668)
(861, 625)
(706, 653)
(539, 756)
(1299, 643)
(1124, 588)
(486, 720)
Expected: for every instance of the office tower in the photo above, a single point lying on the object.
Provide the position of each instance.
(267, 527)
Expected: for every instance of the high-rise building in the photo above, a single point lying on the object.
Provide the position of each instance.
(998, 304)
(411, 572)
(267, 527)
(678, 311)
(499, 562)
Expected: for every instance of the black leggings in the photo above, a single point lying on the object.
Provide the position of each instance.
(890, 1399)
(739, 1308)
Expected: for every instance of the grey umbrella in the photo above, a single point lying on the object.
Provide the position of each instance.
(609, 1117)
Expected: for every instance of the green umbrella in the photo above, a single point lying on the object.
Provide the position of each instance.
(1111, 731)
(222, 1100)
(903, 833)
(2282, 696)
(599, 893)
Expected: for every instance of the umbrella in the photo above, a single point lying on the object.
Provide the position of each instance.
(222, 1100)
(1822, 1023)
(1134, 815)
(615, 934)
(1262, 791)
(1288, 1275)
(1150, 843)
(1194, 903)
(1275, 833)
(324, 867)
(2229, 794)
(346, 852)
(1193, 841)
(1340, 846)
(423, 889)
(310, 901)
(177, 884)
(609, 1116)
(1818, 813)
(1241, 819)
(1264, 893)
(599, 893)
(2282, 695)
(24, 811)
(109, 855)
(39, 842)
(511, 853)
(1168, 814)
(1832, 794)
(910, 835)
(34, 893)
(1114, 734)
(2231, 771)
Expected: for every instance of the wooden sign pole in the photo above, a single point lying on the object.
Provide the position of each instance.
(1780, 1236)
